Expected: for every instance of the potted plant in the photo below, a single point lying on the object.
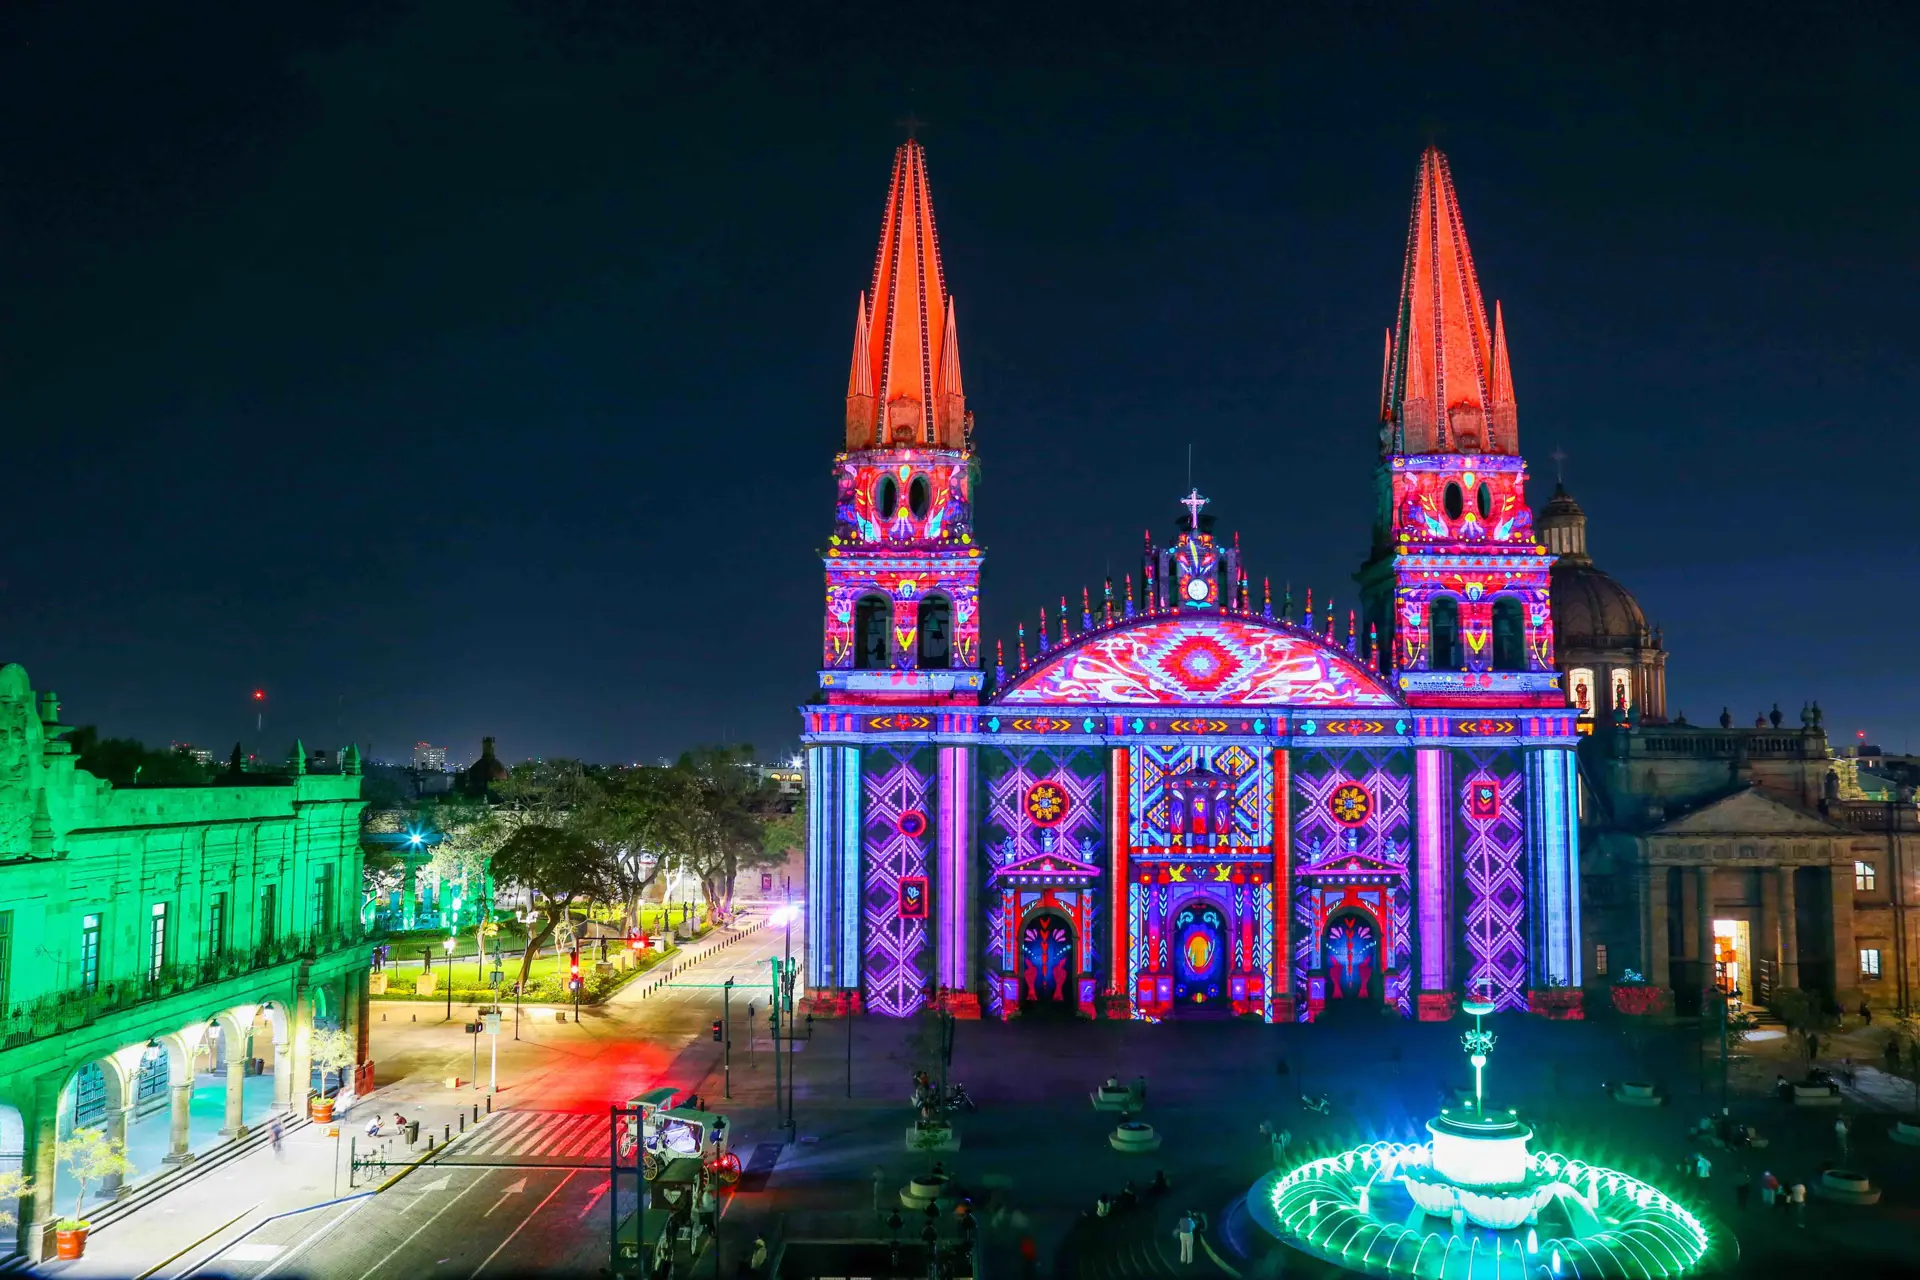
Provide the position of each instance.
(88, 1155)
(332, 1051)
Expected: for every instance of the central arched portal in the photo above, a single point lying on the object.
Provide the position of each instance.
(1352, 948)
(1199, 958)
(1046, 965)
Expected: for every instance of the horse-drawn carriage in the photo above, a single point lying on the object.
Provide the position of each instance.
(665, 1134)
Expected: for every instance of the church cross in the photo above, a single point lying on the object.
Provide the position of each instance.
(1193, 502)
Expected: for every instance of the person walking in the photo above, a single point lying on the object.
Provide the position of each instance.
(1866, 1013)
(1281, 1141)
(1769, 1188)
(1702, 1167)
(1741, 1190)
(274, 1134)
(1840, 1133)
(1800, 1205)
(759, 1258)
(1184, 1230)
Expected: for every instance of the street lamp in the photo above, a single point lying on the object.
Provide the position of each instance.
(447, 942)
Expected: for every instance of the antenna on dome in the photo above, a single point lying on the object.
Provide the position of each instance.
(1559, 457)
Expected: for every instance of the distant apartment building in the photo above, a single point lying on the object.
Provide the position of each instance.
(426, 756)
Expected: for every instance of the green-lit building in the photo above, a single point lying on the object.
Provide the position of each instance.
(166, 953)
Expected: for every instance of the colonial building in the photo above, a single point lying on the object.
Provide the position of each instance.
(1172, 799)
(1718, 855)
(165, 953)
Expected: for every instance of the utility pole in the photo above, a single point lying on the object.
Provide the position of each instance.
(849, 1044)
(773, 1023)
(726, 1047)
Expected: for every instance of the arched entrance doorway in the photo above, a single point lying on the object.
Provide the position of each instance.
(1199, 956)
(1046, 965)
(1351, 945)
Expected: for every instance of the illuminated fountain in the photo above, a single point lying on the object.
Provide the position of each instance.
(1475, 1203)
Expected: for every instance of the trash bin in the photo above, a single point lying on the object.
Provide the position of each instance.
(413, 1132)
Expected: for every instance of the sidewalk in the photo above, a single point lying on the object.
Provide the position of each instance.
(192, 1221)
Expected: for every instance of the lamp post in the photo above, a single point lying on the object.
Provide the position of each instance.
(447, 942)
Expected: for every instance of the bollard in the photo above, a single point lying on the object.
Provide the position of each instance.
(416, 1017)
(476, 1110)
(447, 1133)
(489, 1104)
(429, 1144)
(463, 1122)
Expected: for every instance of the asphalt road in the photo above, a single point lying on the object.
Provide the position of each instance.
(527, 1189)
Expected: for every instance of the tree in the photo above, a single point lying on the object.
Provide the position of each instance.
(730, 835)
(1905, 1026)
(643, 819)
(126, 762)
(89, 1155)
(557, 867)
(333, 1050)
(13, 1185)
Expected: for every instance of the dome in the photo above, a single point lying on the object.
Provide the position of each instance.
(485, 771)
(1592, 611)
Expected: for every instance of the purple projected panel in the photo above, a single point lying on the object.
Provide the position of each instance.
(1491, 830)
(896, 841)
(1352, 809)
(1045, 813)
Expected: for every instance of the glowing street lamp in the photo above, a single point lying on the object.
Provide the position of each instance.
(447, 942)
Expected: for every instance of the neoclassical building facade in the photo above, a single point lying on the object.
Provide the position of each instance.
(166, 954)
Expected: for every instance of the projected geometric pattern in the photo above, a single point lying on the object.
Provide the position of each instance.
(1384, 839)
(895, 968)
(1250, 815)
(1493, 871)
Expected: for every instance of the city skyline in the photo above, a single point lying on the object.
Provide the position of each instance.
(412, 439)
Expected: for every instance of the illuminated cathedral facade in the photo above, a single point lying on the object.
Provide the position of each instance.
(1173, 800)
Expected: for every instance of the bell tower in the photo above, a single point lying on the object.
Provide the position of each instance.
(902, 566)
(1456, 584)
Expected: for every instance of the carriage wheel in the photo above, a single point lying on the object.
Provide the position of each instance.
(727, 1169)
(652, 1164)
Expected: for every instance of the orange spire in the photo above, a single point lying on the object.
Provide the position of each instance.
(860, 376)
(1441, 377)
(1505, 428)
(907, 348)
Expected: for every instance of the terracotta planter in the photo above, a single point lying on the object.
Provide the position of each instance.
(70, 1244)
(322, 1110)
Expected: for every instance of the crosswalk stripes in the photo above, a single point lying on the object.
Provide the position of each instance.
(559, 1136)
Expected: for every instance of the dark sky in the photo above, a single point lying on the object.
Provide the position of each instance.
(463, 366)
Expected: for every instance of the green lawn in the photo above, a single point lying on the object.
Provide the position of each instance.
(546, 979)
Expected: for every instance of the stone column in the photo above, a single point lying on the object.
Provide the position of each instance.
(1789, 934)
(1703, 922)
(283, 1066)
(1766, 945)
(1659, 959)
(179, 1120)
(1846, 958)
(38, 1213)
(114, 1184)
(358, 1010)
(301, 1050)
(236, 1085)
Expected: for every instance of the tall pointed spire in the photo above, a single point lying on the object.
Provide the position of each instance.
(1442, 378)
(906, 342)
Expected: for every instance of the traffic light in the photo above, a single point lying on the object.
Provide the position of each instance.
(573, 968)
(716, 1031)
(633, 942)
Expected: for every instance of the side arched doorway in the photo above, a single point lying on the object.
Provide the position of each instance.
(1351, 946)
(1200, 956)
(1047, 978)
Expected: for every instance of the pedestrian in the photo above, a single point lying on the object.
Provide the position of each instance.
(274, 1134)
(1800, 1205)
(373, 1126)
(1741, 1190)
(1813, 1048)
(1840, 1132)
(1184, 1230)
(1702, 1167)
(1893, 1054)
(1102, 1207)
(1769, 1188)
(759, 1258)
(1281, 1141)
(1866, 1013)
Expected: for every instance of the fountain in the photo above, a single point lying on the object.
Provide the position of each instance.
(1475, 1202)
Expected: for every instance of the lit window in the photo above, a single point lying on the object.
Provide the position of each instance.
(157, 942)
(1580, 689)
(1870, 963)
(90, 953)
(1863, 877)
(1600, 959)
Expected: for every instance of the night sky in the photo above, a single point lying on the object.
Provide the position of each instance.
(467, 367)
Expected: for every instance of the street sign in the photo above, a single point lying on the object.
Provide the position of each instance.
(493, 979)
(492, 1021)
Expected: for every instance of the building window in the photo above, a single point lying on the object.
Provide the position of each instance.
(1443, 634)
(156, 941)
(936, 634)
(1600, 959)
(217, 925)
(1622, 691)
(873, 633)
(1580, 689)
(6, 961)
(90, 953)
(1863, 877)
(1870, 964)
(1509, 635)
(323, 901)
(152, 1081)
(269, 912)
(89, 1097)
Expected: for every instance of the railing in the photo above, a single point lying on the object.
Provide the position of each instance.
(78, 1007)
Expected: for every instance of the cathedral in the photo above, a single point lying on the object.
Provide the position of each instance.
(1173, 801)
